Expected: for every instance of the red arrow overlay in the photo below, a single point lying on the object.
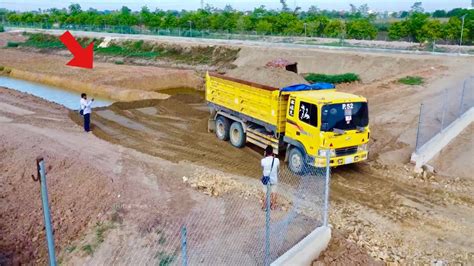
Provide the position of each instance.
(83, 57)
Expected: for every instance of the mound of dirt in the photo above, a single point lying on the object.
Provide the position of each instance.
(273, 77)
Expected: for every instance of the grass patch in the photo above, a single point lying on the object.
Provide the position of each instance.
(88, 249)
(70, 249)
(342, 78)
(100, 230)
(119, 62)
(411, 80)
(164, 259)
(128, 49)
(12, 44)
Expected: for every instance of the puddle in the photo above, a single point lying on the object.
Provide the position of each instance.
(69, 99)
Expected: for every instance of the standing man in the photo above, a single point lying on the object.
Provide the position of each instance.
(270, 165)
(86, 111)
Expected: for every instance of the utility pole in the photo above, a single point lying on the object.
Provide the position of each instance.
(462, 28)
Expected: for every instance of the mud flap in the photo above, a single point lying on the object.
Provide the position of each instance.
(211, 125)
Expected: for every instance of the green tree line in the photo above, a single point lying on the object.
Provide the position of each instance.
(357, 23)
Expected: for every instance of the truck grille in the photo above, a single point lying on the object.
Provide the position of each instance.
(346, 151)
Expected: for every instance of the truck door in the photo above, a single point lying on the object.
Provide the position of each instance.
(302, 124)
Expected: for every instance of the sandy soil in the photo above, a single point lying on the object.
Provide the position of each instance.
(379, 207)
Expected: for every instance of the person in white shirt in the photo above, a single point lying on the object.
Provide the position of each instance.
(86, 110)
(271, 172)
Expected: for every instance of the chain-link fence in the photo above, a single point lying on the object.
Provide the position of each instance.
(307, 38)
(234, 228)
(440, 111)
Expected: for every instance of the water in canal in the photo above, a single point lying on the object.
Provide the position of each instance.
(69, 99)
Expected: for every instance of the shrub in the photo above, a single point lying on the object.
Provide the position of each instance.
(12, 44)
(2, 29)
(119, 62)
(411, 80)
(342, 78)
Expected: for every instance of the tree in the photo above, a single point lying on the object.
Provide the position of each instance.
(313, 10)
(440, 14)
(364, 10)
(417, 7)
(334, 29)
(414, 24)
(361, 29)
(74, 9)
(398, 30)
(284, 6)
(263, 27)
(431, 31)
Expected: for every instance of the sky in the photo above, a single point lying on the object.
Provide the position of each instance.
(377, 5)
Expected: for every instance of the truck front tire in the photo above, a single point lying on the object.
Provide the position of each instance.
(222, 128)
(296, 160)
(237, 135)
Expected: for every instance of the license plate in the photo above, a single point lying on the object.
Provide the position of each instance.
(349, 160)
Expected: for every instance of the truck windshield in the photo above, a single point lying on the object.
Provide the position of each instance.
(344, 116)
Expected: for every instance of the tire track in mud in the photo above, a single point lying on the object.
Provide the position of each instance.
(177, 132)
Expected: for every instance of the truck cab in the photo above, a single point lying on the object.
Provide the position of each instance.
(318, 122)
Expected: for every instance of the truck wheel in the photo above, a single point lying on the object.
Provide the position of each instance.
(237, 135)
(222, 128)
(296, 161)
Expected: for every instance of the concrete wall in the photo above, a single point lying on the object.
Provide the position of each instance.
(439, 141)
(307, 250)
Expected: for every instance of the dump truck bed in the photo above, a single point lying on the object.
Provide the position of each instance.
(262, 103)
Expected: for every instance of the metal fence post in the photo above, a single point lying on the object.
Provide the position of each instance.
(418, 130)
(267, 224)
(184, 243)
(444, 108)
(462, 97)
(41, 177)
(326, 188)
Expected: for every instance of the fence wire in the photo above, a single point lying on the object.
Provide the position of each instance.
(230, 229)
(440, 111)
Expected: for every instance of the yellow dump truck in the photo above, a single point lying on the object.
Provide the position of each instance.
(305, 122)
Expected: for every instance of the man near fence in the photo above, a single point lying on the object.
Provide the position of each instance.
(270, 165)
(86, 110)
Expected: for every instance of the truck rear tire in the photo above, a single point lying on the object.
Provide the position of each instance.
(296, 161)
(237, 135)
(222, 128)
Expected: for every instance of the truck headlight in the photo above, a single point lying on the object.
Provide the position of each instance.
(362, 147)
(322, 153)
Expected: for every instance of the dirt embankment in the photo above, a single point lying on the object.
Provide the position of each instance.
(117, 82)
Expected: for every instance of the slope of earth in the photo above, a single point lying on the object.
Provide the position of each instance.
(118, 82)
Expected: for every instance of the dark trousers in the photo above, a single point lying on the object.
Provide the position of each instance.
(87, 122)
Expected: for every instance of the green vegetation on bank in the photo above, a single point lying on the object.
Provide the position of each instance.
(210, 55)
(411, 80)
(2, 29)
(357, 23)
(341, 78)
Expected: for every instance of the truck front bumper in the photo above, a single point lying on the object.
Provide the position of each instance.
(341, 160)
